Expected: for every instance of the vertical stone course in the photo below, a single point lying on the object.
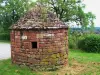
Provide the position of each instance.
(51, 52)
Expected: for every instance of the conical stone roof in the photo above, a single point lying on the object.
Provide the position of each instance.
(39, 18)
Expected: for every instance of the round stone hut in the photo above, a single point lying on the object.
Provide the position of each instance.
(39, 40)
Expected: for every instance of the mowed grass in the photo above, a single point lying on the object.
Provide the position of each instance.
(84, 57)
(6, 68)
(4, 41)
(84, 63)
(80, 63)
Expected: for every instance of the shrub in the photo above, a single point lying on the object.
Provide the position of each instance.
(91, 43)
(4, 36)
(72, 42)
(73, 39)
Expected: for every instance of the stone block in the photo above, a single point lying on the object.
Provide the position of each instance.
(52, 49)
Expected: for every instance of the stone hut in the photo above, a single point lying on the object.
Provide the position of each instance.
(39, 40)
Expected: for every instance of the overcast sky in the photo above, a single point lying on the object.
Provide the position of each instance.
(94, 7)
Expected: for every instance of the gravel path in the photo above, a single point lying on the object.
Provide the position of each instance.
(5, 51)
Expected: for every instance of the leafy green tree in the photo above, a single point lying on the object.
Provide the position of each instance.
(12, 10)
(71, 11)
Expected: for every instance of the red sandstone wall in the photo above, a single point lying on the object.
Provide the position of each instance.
(52, 48)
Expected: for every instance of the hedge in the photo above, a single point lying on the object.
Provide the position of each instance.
(4, 36)
(90, 43)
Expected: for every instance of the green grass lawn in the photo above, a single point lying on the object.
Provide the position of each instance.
(82, 56)
(80, 63)
(4, 41)
(89, 61)
(6, 68)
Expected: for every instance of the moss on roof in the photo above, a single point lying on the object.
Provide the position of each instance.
(38, 18)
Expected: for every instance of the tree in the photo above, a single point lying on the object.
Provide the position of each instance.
(70, 11)
(12, 10)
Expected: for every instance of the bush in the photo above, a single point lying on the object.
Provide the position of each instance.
(72, 42)
(91, 43)
(4, 36)
(73, 39)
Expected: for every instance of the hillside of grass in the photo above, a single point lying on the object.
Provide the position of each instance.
(80, 63)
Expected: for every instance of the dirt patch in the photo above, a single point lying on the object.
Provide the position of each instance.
(74, 69)
(92, 68)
